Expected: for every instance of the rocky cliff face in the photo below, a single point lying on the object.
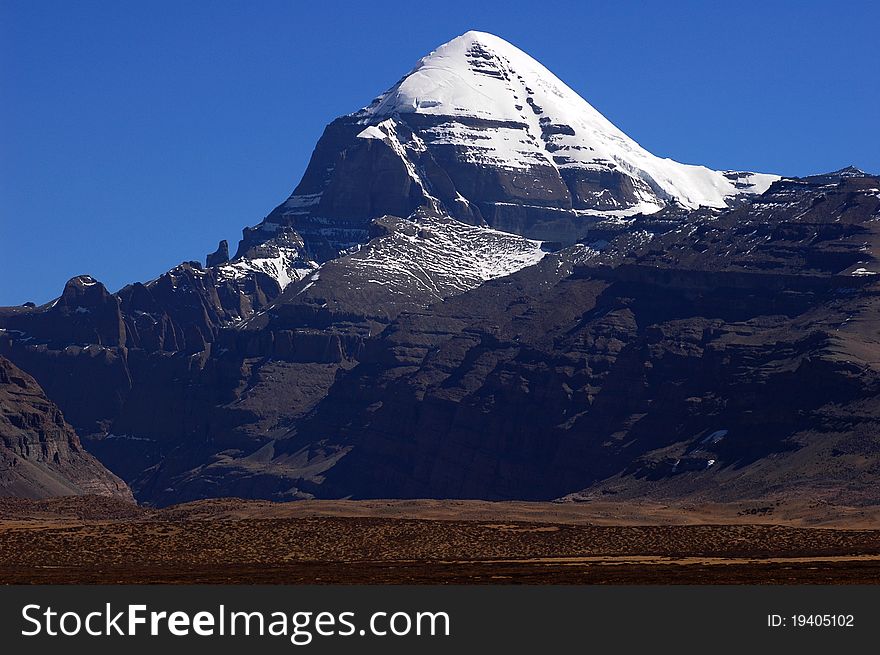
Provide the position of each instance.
(40, 454)
(88, 347)
(735, 357)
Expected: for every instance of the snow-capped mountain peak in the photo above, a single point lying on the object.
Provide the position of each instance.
(481, 132)
(477, 74)
(481, 76)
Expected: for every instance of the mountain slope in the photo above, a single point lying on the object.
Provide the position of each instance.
(40, 455)
(722, 358)
(408, 265)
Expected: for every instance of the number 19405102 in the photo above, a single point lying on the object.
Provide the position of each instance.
(811, 621)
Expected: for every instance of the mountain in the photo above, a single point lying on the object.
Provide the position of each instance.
(707, 356)
(481, 132)
(714, 358)
(481, 288)
(40, 454)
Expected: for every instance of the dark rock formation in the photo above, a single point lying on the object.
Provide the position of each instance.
(219, 256)
(85, 313)
(40, 454)
(86, 347)
(184, 308)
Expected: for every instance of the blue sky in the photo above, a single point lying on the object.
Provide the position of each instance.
(134, 136)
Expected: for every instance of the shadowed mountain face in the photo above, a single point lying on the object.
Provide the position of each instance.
(40, 455)
(722, 357)
(401, 326)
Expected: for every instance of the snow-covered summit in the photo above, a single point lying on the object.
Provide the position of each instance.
(481, 76)
(482, 133)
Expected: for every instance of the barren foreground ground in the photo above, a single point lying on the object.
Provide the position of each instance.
(91, 540)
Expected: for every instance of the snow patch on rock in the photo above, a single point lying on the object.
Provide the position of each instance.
(441, 256)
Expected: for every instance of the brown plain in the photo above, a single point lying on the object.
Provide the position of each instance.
(230, 541)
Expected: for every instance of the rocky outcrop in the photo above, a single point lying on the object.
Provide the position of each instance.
(219, 256)
(87, 347)
(85, 313)
(184, 309)
(40, 454)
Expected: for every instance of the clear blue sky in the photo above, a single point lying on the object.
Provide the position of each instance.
(135, 135)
